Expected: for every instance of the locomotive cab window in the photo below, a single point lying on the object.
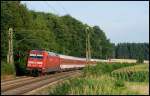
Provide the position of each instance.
(36, 56)
(39, 57)
(33, 57)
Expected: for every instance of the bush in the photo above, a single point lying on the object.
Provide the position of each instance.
(91, 85)
(96, 80)
(138, 73)
(7, 69)
(141, 76)
(21, 67)
(119, 83)
(140, 59)
(102, 68)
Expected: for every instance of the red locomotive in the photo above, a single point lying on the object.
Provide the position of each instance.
(43, 61)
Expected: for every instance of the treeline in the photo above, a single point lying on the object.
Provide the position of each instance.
(39, 30)
(60, 34)
(132, 50)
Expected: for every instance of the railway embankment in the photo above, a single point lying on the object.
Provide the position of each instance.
(99, 80)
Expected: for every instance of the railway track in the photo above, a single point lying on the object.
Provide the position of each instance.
(25, 85)
(18, 79)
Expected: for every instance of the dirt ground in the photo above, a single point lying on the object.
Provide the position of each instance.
(7, 77)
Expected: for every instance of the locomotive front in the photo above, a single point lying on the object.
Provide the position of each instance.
(35, 61)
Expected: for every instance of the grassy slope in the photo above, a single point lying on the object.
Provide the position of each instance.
(141, 67)
(141, 87)
(97, 80)
(137, 73)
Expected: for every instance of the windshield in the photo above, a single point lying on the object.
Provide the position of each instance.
(36, 56)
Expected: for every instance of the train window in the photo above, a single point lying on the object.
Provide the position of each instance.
(36, 56)
(39, 57)
(32, 56)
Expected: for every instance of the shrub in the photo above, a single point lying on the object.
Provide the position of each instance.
(138, 73)
(7, 69)
(21, 67)
(140, 60)
(102, 68)
(91, 85)
(119, 83)
(96, 80)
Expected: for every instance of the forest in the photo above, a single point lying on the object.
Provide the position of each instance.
(60, 34)
(132, 50)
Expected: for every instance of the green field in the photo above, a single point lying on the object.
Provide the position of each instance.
(103, 79)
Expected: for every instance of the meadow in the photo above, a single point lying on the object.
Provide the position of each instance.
(106, 79)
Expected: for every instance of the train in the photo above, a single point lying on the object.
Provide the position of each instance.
(40, 62)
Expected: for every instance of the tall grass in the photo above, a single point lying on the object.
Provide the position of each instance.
(138, 73)
(103, 68)
(96, 80)
(103, 85)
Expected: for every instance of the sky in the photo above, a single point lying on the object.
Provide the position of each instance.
(122, 21)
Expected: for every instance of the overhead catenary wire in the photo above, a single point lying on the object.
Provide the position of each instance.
(57, 13)
(60, 5)
(65, 10)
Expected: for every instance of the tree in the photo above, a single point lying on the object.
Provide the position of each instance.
(39, 30)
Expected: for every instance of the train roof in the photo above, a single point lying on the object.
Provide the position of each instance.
(65, 56)
(71, 57)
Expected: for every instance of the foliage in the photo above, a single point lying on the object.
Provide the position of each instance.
(7, 69)
(60, 34)
(103, 85)
(137, 73)
(119, 83)
(102, 68)
(140, 59)
(39, 30)
(96, 80)
(138, 51)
